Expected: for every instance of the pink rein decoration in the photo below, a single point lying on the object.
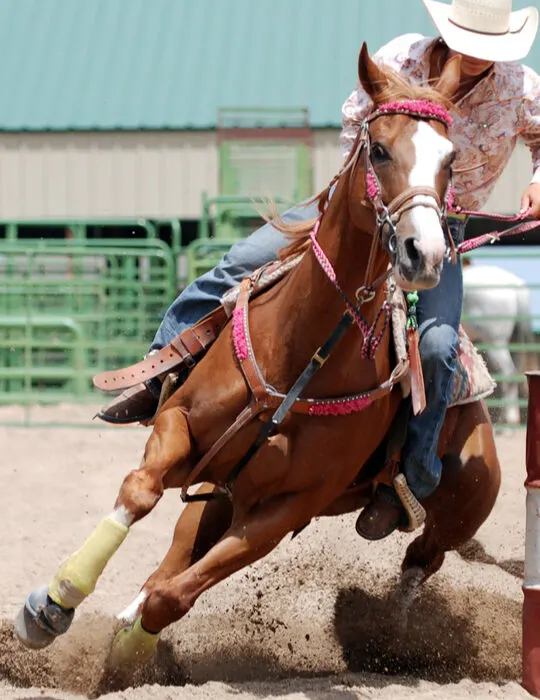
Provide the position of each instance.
(372, 189)
(419, 108)
(340, 408)
(370, 342)
(239, 334)
(495, 236)
(320, 255)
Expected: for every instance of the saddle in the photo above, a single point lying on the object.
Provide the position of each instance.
(472, 380)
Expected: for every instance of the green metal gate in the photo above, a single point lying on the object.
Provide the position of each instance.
(71, 308)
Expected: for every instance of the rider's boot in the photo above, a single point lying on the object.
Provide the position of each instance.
(137, 404)
(383, 515)
(390, 509)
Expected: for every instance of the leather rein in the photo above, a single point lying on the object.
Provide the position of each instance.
(264, 396)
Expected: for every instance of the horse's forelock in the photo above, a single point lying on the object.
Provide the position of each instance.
(398, 88)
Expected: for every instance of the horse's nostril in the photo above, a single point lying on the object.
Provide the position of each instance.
(412, 251)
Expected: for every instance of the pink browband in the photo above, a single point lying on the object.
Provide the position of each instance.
(423, 109)
(415, 108)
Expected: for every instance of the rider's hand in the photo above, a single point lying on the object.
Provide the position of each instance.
(531, 198)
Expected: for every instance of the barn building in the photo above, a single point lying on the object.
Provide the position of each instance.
(109, 108)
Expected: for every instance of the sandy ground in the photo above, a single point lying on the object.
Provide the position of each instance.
(315, 620)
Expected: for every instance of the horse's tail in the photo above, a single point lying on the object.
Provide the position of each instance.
(526, 360)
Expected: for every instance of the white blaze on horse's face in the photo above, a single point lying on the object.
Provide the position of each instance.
(422, 222)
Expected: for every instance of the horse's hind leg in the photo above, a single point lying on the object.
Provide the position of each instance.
(462, 502)
(199, 528)
(48, 611)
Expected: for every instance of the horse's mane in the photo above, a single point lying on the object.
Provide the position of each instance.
(396, 88)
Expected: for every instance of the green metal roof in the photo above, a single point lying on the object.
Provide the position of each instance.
(171, 64)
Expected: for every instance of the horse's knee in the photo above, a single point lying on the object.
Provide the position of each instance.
(140, 491)
(166, 604)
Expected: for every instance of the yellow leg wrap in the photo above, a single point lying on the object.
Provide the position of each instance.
(77, 576)
(133, 644)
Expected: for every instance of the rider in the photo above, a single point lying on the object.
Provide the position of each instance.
(497, 101)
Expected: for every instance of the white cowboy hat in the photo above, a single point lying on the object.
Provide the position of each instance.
(485, 29)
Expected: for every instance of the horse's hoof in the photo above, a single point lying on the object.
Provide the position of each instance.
(41, 620)
(132, 645)
(408, 591)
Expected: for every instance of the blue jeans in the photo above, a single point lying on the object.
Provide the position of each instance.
(439, 314)
(438, 310)
(204, 294)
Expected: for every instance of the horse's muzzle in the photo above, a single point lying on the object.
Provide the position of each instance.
(418, 263)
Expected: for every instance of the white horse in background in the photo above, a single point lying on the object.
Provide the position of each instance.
(494, 292)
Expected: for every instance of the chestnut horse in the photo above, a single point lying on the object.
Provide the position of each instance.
(386, 206)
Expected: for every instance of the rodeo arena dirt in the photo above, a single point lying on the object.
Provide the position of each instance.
(316, 619)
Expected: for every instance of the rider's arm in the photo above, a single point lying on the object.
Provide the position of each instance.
(529, 118)
(358, 105)
(529, 130)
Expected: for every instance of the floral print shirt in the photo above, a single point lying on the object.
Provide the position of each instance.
(503, 106)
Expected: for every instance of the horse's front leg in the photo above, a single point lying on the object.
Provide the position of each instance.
(248, 539)
(48, 611)
(200, 526)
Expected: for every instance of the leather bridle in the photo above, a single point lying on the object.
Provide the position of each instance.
(387, 215)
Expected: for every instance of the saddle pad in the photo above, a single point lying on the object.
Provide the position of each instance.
(263, 278)
(472, 380)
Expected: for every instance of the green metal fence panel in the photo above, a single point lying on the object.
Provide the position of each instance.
(203, 254)
(220, 228)
(263, 154)
(265, 168)
(114, 292)
(42, 359)
(70, 308)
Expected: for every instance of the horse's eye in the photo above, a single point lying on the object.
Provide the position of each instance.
(379, 154)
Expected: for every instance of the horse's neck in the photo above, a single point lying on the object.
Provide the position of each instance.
(347, 245)
(314, 306)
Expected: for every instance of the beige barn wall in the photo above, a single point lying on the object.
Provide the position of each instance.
(506, 196)
(152, 174)
(96, 175)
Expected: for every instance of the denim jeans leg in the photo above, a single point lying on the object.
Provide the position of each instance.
(439, 314)
(204, 294)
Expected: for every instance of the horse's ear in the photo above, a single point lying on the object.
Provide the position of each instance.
(448, 83)
(372, 78)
